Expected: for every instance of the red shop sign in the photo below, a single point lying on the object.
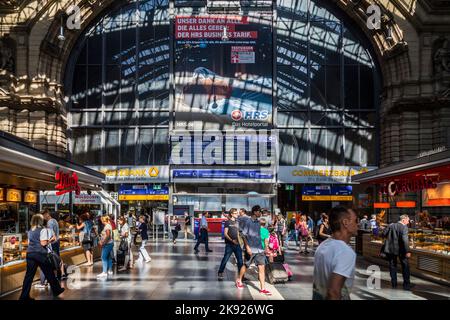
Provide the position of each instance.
(67, 182)
(393, 188)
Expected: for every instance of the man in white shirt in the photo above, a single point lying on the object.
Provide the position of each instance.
(334, 260)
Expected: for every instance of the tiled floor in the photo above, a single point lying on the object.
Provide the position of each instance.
(175, 272)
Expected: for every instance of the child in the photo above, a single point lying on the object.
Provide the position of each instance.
(274, 248)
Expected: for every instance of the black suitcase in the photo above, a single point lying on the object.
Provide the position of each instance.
(121, 257)
(276, 273)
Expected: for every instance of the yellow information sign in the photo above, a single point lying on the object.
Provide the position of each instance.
(327, 198)
(136, 197)
(14, 195)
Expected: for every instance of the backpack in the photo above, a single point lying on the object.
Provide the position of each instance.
(273, 242)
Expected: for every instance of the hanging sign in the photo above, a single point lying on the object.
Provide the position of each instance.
(67, 182)
(14, 195)
(30, 197)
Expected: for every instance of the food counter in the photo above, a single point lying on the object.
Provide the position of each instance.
(13, 254)
(430, 253)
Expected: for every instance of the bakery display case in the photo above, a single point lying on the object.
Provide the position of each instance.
(435, 241)
(430, 253)
(11, 248)
(68, 238)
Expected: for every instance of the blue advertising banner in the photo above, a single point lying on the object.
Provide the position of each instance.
(129, 189)
(342, 190)
(316, 190)
(221, 174)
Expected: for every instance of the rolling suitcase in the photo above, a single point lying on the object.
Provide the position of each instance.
(276, 273)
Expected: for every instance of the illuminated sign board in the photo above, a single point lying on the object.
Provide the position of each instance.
(14, 195)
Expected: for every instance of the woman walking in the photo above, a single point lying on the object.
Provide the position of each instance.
(303, 233)
(37, 256)
(175, 229)
(324, 229)
(86, 226)
(125, 234)
(107, 243)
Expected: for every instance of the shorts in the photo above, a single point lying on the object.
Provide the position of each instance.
(259, 259)
(87, 245)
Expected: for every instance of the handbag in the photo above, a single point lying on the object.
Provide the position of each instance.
(178, 227)
(123, 246)
(54, 260)
(304, 231)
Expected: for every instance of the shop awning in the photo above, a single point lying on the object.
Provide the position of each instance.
(437, 164)
(24, 166)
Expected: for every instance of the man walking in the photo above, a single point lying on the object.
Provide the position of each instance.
(203, 234)
(334, 261)
(254, 247)
(364, 224)
(187, 225)
(231, 232)
(397, 246)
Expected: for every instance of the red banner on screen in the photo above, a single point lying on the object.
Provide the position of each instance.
(187, 28)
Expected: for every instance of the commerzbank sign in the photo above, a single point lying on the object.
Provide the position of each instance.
(134, 174)
(319, 174)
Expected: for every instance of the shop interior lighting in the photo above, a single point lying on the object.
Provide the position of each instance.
(381, 205)
(406, 204)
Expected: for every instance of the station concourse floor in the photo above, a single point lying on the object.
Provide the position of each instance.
(177, 273)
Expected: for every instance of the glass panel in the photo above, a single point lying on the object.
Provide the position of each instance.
(351, 85)
(79, 87)
(94, 147)
(352, 147)
(367, 88)
(78, 119)
(368, 147)
(78, 145)
(145, 146)
(301, 146)
(112, 118)
(299, 119)
(335, 150)
(112, 84)
(161, 144)
(318, 147)
(94, 118)
(112, 147)
(153, 118)
(128, 147)
(94, 84)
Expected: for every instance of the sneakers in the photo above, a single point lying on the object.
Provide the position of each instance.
(239, 284)
(196, 250)
(110, 272)
(266, 292)
(102, 275)
(41, 286)
(209, 251)
(220, 276)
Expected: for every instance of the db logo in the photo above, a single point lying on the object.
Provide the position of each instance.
(236, 115)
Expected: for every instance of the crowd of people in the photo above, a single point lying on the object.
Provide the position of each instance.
(254, 238)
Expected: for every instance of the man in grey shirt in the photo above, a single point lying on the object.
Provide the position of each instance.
(251, 231)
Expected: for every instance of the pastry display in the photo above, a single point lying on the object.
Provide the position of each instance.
(435, 241)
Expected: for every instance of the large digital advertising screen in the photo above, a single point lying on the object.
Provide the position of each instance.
(223, 72)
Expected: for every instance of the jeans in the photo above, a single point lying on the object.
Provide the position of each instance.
(280, 236)
(229, 249)
(174, 235)
(202, 238)
(292, 234)
(107, 257)
(35, 260)
(393, 269)
(143, 252)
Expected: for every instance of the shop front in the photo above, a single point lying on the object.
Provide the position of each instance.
(139, 189)
(24, 172)
(216, 191)
(316, 189)
(421, 189)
